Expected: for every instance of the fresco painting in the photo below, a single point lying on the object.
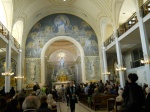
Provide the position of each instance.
(33, 71)
(92, 68)
(61, 25)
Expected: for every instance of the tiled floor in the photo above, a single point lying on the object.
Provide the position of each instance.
(62, 107)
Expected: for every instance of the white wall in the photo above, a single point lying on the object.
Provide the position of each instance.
(127, 60)
(141, 72)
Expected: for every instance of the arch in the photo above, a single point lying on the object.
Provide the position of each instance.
(17, 31)
(125, 12)
(7, 7)
(104, 22)
(56, 39)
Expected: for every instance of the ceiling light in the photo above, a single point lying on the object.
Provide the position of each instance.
(61, 54)
(64, 0)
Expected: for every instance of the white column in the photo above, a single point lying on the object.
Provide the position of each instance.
(77, 73)
(19, 80)
(120, 62)
(8, 66)
(145, 43)
(105, 63)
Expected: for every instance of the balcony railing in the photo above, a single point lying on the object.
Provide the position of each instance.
(145, 8)
(4, 31)
(136, 63)
(109, 40)
(15, 43)
(123, 28)
(127, 25)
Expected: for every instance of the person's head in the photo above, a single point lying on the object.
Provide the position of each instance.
(120, 92)
(31, 102)
(14, 103)
(71, 83)
(95, 90)
(49, 97)
(147, 89)
(43, 98)
(33, 93)
(12, 88)
(132, 78)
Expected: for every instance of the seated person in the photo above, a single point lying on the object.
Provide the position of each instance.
(44, 105)
(51, 102)
(31, 103)
(96, 93)
(119, 97)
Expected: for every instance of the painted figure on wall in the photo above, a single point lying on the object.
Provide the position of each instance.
(61, 25)
(92, 69)
(32, 71)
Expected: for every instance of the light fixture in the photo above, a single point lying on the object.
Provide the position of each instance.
(19, 77)
(64, 0)
(8, 73)
(146, 61)
(61, 54)
(121, 69)
(106, 73)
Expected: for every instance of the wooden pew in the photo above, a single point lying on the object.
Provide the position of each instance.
(101, 100)
(110, 104)
(83, 98)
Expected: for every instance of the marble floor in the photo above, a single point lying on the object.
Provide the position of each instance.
(62, 107)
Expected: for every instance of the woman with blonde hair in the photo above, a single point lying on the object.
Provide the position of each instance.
(51, 102)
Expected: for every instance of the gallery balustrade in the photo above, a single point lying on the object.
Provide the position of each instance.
(145, 8)
(4, 31)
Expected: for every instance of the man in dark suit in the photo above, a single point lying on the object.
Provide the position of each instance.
(71, 93)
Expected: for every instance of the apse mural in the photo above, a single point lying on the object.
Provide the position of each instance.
(92, 68)
(61, 25)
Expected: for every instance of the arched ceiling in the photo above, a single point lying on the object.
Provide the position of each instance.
(64, 46)
(31, 11)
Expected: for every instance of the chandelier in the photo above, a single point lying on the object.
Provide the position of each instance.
(19, 77)
(8, 73)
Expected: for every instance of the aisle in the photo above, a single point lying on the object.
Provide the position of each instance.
(62, 107)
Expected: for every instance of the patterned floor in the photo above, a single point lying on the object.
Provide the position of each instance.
(62, 107)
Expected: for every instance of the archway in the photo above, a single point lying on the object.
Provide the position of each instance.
(56, 39)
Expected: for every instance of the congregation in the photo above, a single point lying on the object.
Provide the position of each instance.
(45, 98)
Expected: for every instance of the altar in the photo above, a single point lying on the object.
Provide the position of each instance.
(59, 84)
(62, 77)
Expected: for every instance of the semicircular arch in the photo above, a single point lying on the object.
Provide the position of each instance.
(56, 39)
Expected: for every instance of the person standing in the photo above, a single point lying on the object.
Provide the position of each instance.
(66, 89)
(71, 93)
(34, 87)
(133, 91)
(62, 93)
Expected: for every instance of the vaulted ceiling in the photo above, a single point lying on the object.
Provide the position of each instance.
(92, 11)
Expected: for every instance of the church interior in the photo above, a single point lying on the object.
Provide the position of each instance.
(53, 42)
